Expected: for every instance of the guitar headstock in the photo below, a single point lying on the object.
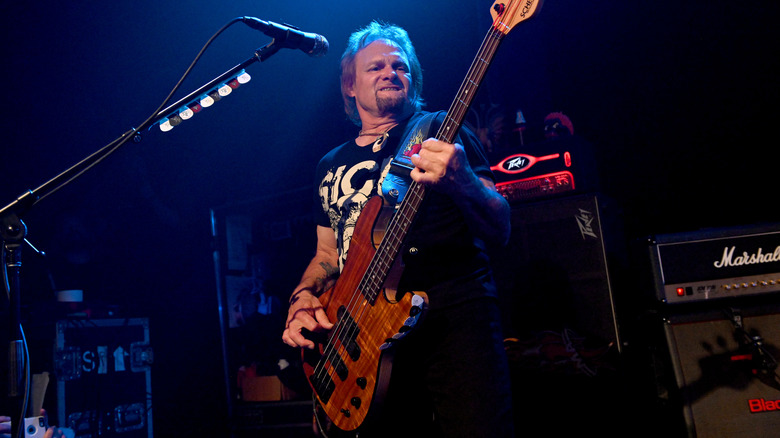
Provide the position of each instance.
(508, 13)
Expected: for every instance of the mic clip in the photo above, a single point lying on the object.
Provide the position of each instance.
(762, 359)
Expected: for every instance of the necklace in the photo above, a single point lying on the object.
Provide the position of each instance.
(362, 134)
(380, 139)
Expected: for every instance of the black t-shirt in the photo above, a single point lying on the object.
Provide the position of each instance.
(441, 256)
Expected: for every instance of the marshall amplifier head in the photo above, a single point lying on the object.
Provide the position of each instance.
(716, 264)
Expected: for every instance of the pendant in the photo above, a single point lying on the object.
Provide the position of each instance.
(379, 142)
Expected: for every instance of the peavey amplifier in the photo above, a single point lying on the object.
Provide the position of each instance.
(555, 167)
(715, 264)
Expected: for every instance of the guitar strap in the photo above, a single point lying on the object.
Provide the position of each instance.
(396, 182)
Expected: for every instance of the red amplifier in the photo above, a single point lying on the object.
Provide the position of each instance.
(536, 186)
(552, 168)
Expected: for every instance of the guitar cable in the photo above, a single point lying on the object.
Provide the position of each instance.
(317, 417)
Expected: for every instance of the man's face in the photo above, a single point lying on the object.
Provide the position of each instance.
(382, 80)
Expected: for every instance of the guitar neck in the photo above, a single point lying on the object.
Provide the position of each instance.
(468, 89)
(410, 205)
(455, 115)
(506, 14)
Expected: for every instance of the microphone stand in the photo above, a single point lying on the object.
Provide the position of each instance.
(14, 232)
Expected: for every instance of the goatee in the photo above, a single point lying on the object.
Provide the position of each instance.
(390, 105)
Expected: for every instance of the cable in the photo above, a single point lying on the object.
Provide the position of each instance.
(25, 349)
(26, 398)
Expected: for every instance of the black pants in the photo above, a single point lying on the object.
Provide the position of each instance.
(449, 378)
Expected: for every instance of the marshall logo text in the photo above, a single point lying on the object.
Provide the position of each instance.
(730, 260)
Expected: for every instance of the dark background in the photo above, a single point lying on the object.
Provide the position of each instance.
(678, 100)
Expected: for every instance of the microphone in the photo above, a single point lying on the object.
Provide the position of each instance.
(290, 37)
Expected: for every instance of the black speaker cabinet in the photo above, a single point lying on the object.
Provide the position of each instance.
(558, 269)
(724, 370)
(556, 279)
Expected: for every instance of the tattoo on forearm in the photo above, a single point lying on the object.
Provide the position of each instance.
(324, 283)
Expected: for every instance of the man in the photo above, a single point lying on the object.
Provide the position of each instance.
(449, 377)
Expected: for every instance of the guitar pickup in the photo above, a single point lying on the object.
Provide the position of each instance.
(338, 366)
(353, 350)
(348, 333)
(323, 385)
(348, 324)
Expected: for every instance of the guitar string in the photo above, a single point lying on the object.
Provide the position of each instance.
(364, 287)
(331, 348)
(480, 65)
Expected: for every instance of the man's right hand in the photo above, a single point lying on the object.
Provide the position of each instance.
(306, 312)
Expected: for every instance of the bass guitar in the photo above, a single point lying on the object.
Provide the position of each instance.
(350, 369)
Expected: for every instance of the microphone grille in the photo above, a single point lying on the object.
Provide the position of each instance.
(320, 46)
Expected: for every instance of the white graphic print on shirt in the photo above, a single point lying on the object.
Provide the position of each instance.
(344, 199)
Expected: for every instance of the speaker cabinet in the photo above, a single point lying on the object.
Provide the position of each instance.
(558, 269)
(723, 362)
(556, 279)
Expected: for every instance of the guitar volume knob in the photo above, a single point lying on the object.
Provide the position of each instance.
(361, 382)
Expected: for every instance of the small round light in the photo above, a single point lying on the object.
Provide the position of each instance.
(165, 125)
(186, 113)
(224, 90)
(243, 77)
(206, 101)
